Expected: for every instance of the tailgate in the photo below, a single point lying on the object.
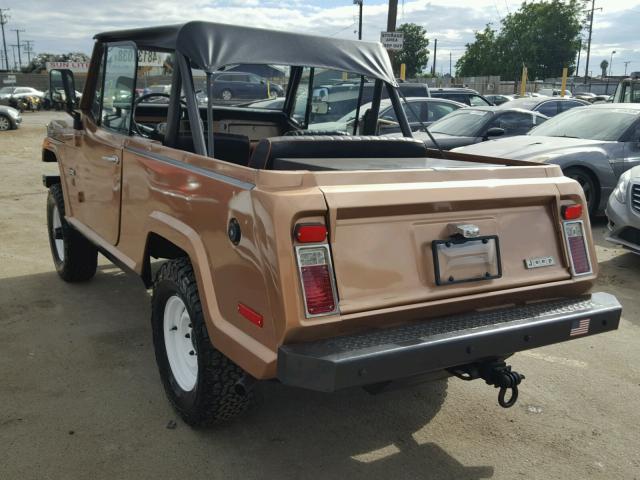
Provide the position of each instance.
(382, 236)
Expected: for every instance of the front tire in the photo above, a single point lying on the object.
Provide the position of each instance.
(75, 258)
(198, 380)
(589, 187)
(226, 94)
(5, 123)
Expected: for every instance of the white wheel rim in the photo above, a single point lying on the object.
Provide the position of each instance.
(226, 95)
(4, 123)
(56, 225)
(178, 343)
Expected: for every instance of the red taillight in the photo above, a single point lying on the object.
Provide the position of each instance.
(580, 262)
(310, 233)
(251, 315)
(316, 276)
(571, 212)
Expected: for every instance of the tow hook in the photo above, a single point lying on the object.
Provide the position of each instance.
(496, 373)
(244, 385)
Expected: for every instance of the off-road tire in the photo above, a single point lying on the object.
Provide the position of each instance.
(213, 398)
(80, 256)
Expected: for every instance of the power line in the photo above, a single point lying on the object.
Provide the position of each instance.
(28, 48)
(342, 29)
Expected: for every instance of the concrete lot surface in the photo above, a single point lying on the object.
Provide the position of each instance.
(80, 395)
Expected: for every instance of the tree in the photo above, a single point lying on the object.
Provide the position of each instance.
(414, 53)
(38, 63)
(544, 36)
(604, 66)
(480, 58)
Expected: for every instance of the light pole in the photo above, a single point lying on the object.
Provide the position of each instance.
(625, 67)
(611, 62)
(359, 3)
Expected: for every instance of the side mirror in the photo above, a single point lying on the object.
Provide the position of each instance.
(62, 90)
(320, 108)
(494, 132)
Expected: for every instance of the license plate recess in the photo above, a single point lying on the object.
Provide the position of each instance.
(466, 259)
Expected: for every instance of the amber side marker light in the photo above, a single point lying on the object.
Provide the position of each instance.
(251, 315)
(310, 233)
(571, 212)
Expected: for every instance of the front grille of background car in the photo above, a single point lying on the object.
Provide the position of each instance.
(635, 197)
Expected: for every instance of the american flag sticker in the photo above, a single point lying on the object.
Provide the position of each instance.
(579, 327)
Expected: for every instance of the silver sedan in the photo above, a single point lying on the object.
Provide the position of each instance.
(623, 211)
(593, 145)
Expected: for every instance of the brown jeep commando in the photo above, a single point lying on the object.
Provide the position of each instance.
(324, 259)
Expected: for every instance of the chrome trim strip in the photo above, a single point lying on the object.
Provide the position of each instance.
(586, 247)
(336, 310)
(192, 168)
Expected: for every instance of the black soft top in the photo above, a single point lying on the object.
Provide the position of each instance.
(210, 46)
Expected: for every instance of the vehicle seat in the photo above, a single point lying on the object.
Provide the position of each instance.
(229, 147)
(334, 147)
(311, 133)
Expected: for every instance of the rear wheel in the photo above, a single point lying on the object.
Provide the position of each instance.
(198, 379)
(588, 184)
(5, 123)
(75, 258)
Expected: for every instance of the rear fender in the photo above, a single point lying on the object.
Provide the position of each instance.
(246, 351)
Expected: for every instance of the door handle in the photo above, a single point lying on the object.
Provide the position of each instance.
(111, 159)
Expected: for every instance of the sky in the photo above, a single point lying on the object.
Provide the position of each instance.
(59, 26)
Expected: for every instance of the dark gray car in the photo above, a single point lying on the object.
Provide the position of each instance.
(593, 145)
(478, 124)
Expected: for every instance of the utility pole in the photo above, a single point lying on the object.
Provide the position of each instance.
(391, 23)
(625, 67)
(577, 71)
(18, 30)
(13, 51)
(3, 21)
(593, 9)
(450, 65)
(28, 48)
(359, 3)
(435, 52)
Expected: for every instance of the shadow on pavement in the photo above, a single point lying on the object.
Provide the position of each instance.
(96, 337)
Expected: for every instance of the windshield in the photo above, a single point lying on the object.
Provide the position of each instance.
(461, 123)
(334, 98)
(352, 114)
(628, 92)
(7, 89)
(589, 123)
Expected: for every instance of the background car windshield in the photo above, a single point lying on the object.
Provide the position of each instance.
(461, 123)
(589, 123)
